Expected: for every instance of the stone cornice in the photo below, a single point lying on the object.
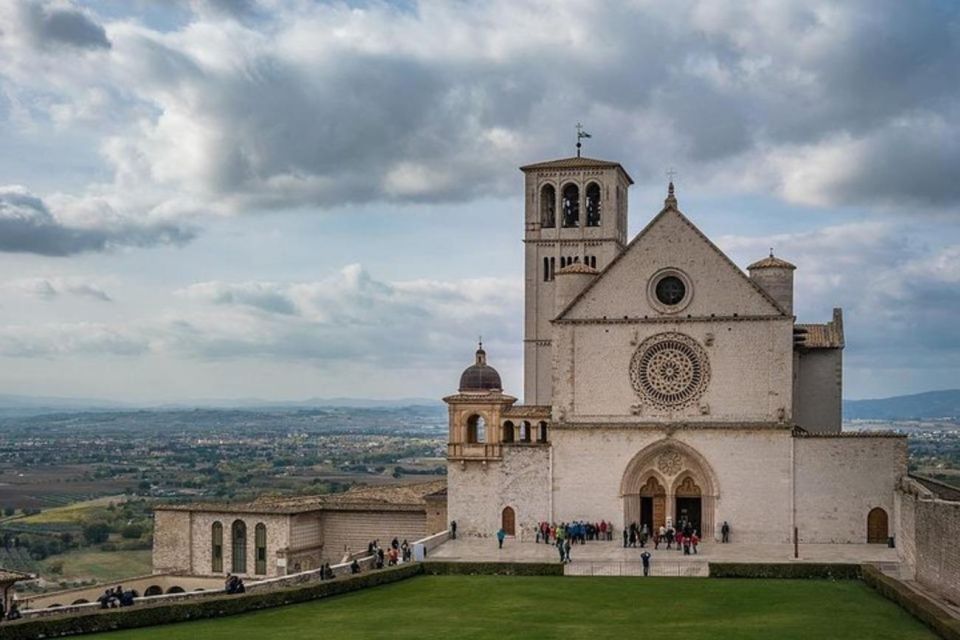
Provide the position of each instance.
(671, 427)
(671, 319)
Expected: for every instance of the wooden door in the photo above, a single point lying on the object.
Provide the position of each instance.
(877, 530)
(509, 521)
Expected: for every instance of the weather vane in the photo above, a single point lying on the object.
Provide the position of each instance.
(580, 135)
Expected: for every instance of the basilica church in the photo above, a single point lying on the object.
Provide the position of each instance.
(662, 383)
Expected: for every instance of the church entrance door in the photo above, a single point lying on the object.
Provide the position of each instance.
(509, 521)
(653, 504)
(689, 505)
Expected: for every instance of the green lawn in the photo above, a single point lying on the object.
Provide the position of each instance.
(464, 607)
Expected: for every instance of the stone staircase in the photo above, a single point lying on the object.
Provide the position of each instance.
(662, 568)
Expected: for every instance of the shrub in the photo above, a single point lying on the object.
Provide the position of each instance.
(132, 532)
(789, 570)
(9, 510)
(96, 532)
(441, 568)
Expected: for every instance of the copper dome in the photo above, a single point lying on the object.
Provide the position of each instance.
(480, 376)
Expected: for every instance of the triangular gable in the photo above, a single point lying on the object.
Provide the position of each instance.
(720, 287)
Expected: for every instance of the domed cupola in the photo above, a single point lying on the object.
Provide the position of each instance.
(480, 377)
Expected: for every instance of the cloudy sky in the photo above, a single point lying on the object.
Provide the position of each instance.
(282, 200)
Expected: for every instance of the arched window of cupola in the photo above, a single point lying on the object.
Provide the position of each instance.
(476, 429)
(570, 206)
(548, 206)
(593, 205)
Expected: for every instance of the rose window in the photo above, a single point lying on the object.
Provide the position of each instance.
(670, 370)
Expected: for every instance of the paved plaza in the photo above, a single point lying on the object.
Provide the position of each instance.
(476, 549)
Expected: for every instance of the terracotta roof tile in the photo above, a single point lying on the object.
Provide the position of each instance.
(771, 262)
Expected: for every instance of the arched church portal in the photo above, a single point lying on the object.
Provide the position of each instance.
(668, 482)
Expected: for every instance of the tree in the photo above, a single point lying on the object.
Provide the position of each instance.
(9, 510)
(132, 532)
(96, 532)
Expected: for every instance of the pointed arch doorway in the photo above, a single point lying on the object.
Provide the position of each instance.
(653, 504)
(689, 507)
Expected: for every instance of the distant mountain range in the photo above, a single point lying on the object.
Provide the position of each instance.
(14, 405)
(929, 405)
(919, 406)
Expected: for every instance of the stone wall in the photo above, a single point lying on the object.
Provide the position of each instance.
(818, 383)
(927, 546)
(353, 530)
(750, 468)
(750, 372)
(171, 542)
(840, 479)
(478, 492)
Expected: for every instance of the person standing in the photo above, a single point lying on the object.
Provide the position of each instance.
(625, 537)
(453, 529)
(725, 532)
(566, 549)
(645, 557)
(501, 534)
(694, 541)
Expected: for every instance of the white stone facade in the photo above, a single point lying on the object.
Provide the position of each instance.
(677, 386)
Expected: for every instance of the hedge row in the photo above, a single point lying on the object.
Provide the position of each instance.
(145, 615)
(493, 568)
(789, 570)
(922, 608)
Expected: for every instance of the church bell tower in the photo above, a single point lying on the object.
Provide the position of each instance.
(575, 214)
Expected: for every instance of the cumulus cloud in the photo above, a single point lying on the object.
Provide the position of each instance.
(327, 104)
(900, 296)
(52, 288)
(69, 339)
(55, 24)
(349, 315)
(28, 226)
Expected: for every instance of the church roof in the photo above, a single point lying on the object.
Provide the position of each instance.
(670, 208)
(771, 262)
(576, 162)
(480, 376)
(7, 576)
(390, 498)
(820, 336)
(578, 267)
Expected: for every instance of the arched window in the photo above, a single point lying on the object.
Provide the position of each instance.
(260, 552)
(548, 207)
(571, 206)
(546, 269)
(525, 432)
(476, 429)
(593, 205)
(542, 435)
(506, 432)
(239, 544)
(553, 267)
(216, 547)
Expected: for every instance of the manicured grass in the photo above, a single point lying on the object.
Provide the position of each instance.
(102, 566)
(467, 607)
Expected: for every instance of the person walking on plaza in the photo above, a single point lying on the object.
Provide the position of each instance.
(694, 541)
(625, 537)
(501, 534)
(725, 532)
(453, 529)
(566, 549)
(645, 556)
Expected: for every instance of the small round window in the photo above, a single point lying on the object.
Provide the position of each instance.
(670, 290)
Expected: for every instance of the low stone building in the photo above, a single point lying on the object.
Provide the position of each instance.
(276, 536)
